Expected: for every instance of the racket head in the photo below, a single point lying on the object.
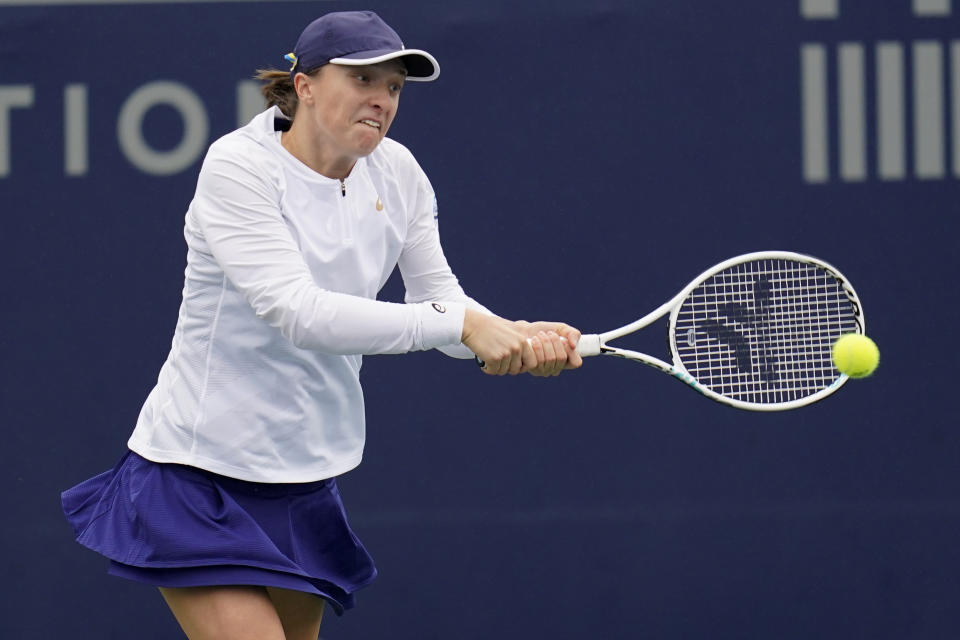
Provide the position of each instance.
(756, 331)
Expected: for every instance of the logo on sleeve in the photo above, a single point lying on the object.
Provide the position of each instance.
(439, 308)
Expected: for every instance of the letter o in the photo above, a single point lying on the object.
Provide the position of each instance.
(130, 128)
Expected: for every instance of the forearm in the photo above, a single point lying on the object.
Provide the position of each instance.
(312, 318)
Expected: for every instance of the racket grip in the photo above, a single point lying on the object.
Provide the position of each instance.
(482, 364)
(589, 345)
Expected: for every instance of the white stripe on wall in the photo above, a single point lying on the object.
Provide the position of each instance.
(891, 147)
(813, 71)
(11, 97)
(955, 81)
(928, 129)
(931, 7)
(819, 9)
(853, 133)
(76, 162)
(250, 101)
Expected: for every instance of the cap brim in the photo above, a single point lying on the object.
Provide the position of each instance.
(421, 66)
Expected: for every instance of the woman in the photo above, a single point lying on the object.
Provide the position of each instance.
(227, 499)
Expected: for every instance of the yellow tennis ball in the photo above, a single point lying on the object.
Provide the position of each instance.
(856, 355)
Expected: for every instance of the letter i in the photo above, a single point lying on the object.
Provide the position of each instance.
(76, 156)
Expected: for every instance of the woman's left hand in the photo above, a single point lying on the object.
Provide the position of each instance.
(554, 344)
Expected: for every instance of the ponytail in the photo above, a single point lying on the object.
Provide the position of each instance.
(278, 90)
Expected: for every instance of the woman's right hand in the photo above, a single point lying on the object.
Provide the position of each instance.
(499, 343)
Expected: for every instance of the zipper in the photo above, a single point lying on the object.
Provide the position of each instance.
(348, 215)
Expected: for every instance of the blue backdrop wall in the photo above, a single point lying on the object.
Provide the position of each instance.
(589, 158)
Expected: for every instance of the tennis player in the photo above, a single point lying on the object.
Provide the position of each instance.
(227, 498)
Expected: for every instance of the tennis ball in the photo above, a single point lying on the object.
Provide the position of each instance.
(856, 355)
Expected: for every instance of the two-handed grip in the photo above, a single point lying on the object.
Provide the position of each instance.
(482, 364)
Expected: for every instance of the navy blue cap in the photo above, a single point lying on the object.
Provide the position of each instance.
(357, 38)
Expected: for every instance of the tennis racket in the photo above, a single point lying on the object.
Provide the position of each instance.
(753, 332)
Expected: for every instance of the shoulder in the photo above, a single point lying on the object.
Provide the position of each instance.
(394, 158)
(236, 158)
(242, 161)
(240, 145)
(393, 149)
(247, 145)
(236, 144)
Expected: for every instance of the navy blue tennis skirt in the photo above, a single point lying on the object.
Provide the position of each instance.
(172, 525)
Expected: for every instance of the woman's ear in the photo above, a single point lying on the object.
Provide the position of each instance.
(302, 83)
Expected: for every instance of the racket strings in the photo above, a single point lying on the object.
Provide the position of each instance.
(762, 331)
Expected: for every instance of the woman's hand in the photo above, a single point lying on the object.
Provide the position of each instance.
(555, 346)
(502, 345)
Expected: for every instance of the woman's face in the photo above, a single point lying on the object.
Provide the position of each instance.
(349, 109)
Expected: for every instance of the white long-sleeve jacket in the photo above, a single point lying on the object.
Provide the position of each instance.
(283, 268)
